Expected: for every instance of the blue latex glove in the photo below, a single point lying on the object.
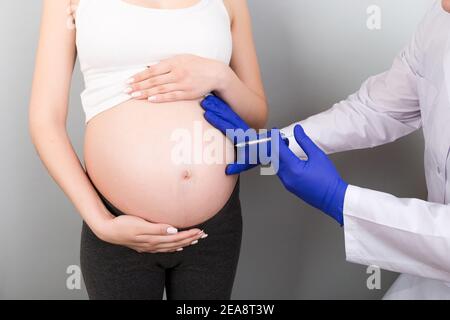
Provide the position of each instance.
(315, 180)
(220, 115)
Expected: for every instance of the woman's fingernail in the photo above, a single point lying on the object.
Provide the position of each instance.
(204, 236)
(152, 98)
(129, 81)
(181, 249)
(136, 94)
(194, 242)
(128, 90)
(172, 230)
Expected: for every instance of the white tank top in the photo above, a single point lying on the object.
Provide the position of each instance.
(116, 40)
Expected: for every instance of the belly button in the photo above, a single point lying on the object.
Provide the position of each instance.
(187, 175)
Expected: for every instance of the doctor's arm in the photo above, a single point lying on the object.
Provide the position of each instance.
(402, 235)
(385, 108)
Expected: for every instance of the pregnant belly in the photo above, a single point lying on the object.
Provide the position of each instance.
(160, 162)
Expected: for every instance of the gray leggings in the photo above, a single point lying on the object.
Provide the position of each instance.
(205, 271)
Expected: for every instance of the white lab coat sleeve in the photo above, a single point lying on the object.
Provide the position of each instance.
(403, 235)
(384, 109)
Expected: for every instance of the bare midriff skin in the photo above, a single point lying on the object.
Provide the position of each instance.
(128, 155)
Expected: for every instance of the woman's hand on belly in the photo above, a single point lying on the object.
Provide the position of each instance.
(183, 77)
(145, 237)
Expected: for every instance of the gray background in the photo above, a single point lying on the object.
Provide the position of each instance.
(313, 53)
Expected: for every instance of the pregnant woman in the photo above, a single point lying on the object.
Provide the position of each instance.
(150, 223)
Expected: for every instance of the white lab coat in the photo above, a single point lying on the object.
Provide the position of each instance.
(409, 236)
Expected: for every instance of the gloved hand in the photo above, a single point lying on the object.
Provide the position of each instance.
(221, 116)
(315, 180)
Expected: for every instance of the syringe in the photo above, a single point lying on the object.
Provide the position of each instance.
(262, 140)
